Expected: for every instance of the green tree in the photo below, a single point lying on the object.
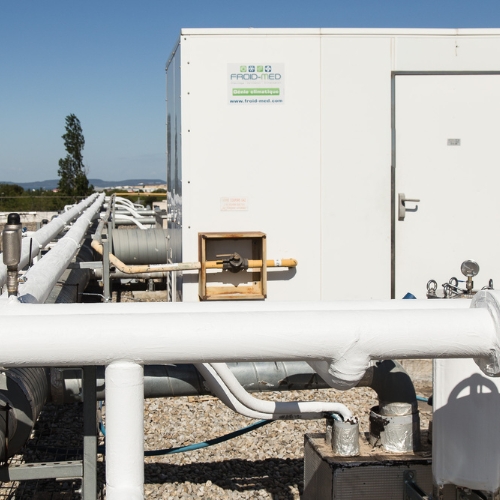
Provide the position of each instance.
(72, 172)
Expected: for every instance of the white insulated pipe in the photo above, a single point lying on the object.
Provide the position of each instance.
(45, 235)
(278, 409)
(155, 333)
(124, 431)
(42, 277)
(268, 410)
(220, 390)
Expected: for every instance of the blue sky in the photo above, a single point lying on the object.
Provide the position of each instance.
(105, 61)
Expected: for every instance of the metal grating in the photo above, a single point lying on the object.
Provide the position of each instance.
(57, 437)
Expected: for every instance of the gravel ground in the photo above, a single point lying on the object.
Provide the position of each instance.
(266, 463)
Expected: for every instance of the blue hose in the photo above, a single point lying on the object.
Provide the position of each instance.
(195, 446)
(423, 398)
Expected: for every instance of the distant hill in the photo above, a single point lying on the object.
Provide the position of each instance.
(52, 184)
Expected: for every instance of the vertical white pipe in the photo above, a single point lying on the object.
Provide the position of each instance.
(124, 431)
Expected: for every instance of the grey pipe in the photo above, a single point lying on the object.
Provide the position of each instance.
(388, 378)
(25, 391)
(184, 380)
(148, 246)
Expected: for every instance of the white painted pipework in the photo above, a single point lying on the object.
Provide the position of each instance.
(124, 431)
(119, 201)
(155, 333)
(342, 337)
(45, 235)
(123, 218)
(219, 389)
(296, 410)
(42, 277)
(306, 409)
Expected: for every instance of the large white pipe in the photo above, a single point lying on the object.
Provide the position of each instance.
(124, 431)
(45, 235)
(42, 277)
(155, 333)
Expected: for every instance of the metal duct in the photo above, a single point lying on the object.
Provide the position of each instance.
(387, 378)
(162, 381)
(146, 246)
(25, 390)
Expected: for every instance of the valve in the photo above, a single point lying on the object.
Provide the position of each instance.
(11, 243)
(233, 262)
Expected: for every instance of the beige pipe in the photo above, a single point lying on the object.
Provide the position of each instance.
(217, 264)
(184, 266)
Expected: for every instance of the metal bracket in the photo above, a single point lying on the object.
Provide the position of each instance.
(468, 494)
(411, 490)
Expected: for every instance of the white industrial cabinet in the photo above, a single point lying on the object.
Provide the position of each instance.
(312, 136)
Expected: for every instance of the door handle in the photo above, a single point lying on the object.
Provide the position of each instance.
(402, 209)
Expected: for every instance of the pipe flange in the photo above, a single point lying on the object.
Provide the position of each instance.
(490, 299)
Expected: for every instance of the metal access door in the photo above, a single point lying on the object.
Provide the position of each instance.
(447, 155)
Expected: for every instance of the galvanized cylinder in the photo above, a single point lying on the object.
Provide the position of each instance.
(395, 433)
(11, 244)
(11, 241)
(141, 246)
(345, 438)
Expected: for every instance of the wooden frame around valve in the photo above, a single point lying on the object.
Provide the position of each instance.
(253, 285)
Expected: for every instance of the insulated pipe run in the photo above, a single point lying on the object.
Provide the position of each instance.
(305, 409)
(45, 235)
(343, 341)
(219, 389)
(138, 221)
(42, 277)
(124, 431)
(123, 209)
(387, 378)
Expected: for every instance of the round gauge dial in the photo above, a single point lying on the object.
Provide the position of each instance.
(469, 268)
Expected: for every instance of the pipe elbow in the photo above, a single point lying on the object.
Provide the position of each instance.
(344, 373)
(490, 300)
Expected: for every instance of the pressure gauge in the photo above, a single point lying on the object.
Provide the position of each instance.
(469, 268)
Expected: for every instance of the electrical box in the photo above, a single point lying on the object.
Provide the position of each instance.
(342, 146)
(233, 266)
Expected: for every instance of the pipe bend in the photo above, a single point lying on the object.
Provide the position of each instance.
(301, 409)
(490, 300)
(343, 373)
